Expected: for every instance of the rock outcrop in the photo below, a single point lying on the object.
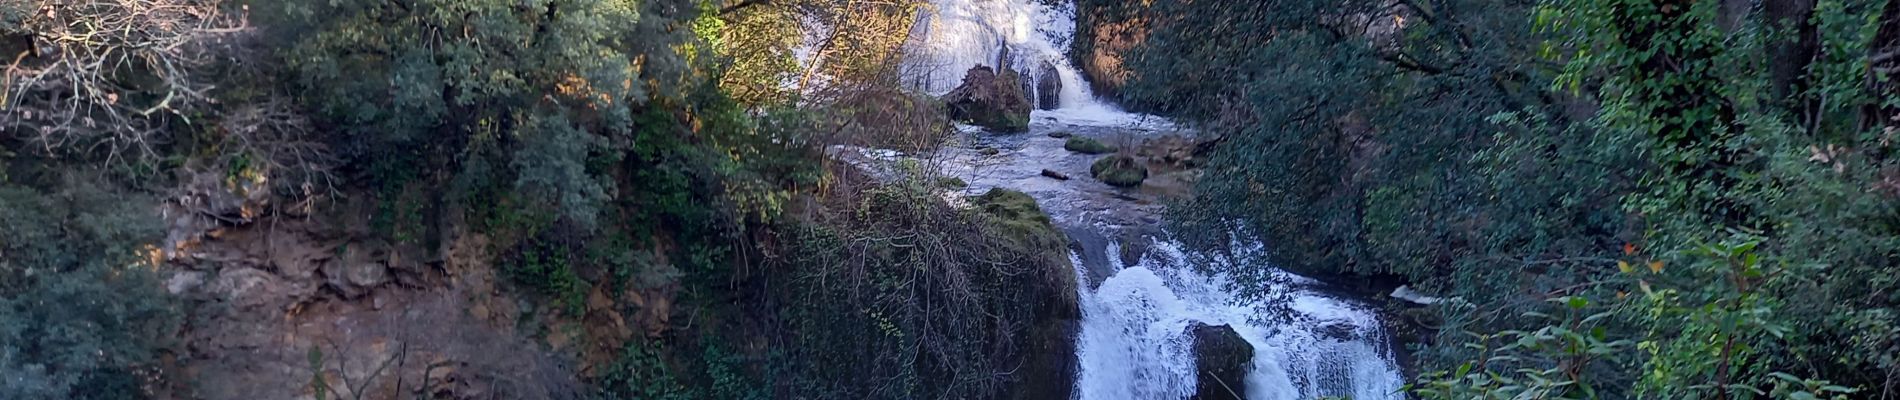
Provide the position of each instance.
(1087, 146)
(1119, 171)
(1221, 361)
(1105, 32)
(991, 100)
(1048, 87)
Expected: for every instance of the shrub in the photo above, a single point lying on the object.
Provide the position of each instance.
(79, 309)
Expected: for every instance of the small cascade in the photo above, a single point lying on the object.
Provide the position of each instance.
(1134, 342)
(1022, 35)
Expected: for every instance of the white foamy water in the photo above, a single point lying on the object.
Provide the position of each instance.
(955, 35)
(1134, 341)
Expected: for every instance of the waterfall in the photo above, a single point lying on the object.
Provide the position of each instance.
(954, 35)
(1134, 342)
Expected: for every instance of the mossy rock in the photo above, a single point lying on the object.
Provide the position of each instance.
(1048, 363)
(1119, 171)
(1087, 146)
(952, 182)
(990, 99)
(1013, 207)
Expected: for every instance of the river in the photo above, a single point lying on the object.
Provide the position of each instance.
(1137, 305)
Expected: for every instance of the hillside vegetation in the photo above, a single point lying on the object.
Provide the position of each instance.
(1616, 199)
(194, 193)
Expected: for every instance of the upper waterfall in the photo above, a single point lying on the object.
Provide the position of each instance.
(1022, 35)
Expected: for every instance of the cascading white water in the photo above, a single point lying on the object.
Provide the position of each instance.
(1134, 341)
(955, 35)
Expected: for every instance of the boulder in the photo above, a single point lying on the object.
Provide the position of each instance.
(990, 100)
(1087, 146)
(1060, 134)
(1221, 361)
(1048, 87)
(1055, 175)
(1339, 330)
(1119, 171)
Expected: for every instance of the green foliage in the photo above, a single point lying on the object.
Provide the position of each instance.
(728, 377)
(541, 87)
(1628, 198)
(641, 374)
(548, 269)
(80, 311)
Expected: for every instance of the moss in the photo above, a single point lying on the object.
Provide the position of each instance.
(1013, 123)
(952, 182)
(1012, 207)
(1119, 170)
(1087, 146)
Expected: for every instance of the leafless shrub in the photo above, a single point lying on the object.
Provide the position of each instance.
(276, 143)
(105, 76)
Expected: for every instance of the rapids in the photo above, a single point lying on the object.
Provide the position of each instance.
(1133, 341)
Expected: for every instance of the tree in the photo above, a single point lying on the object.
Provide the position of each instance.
(80, 313)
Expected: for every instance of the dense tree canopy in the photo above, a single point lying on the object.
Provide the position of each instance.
(1622, 198)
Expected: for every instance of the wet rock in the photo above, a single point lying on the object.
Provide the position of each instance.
(989, 151)
(990, 100)
(1087, 146)
(1340, 331)
(1056, 175)
(1406, 293)
(1048, 87)
(1060, 134)
(1119, 171)
(1221, 361)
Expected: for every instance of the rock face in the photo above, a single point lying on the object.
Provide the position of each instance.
(990, 100)
(1222, 360)
(1105, 32)
(1119, 171)
(1048, 87)
(1177, 152)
